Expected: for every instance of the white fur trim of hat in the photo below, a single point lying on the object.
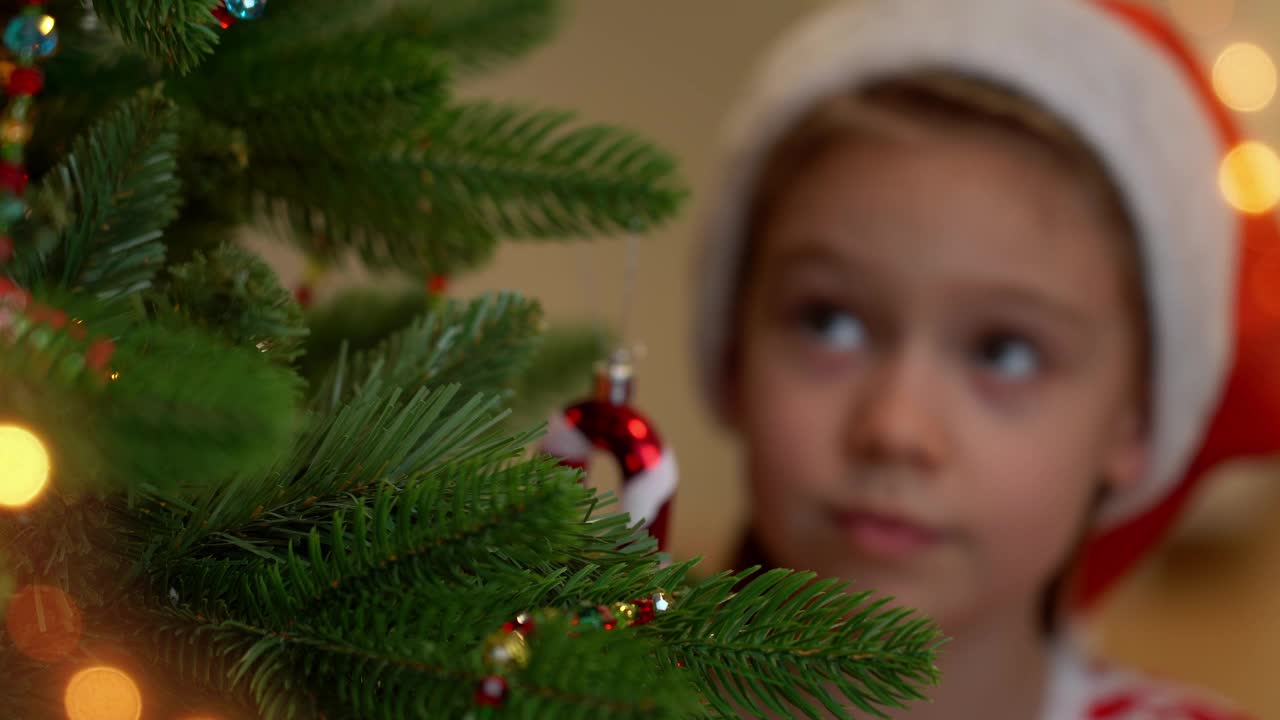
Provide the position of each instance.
(1120, 92)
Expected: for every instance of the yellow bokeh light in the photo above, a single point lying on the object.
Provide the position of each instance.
(46, 24)
(24, 466)
(1250, 178)
(103, 693)
(1204, 17)
(1244, 77)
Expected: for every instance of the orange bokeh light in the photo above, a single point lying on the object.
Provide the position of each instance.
(44, 623)
(103, 693)
(1250, 178)
(1244, 77)
(24, 466)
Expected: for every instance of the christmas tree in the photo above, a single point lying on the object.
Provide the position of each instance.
(219, 504)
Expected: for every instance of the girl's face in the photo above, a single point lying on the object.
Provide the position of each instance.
(937, 363)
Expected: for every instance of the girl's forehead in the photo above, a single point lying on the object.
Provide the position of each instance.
(968, 211)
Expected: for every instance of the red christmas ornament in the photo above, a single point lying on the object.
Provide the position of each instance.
(644, 611)
(523, 624)
(224, 16)
(12, 295)
(25, 81)
(51, 316)
(492, 691)
(13, 177)
(608, 422)
(304, 295)
(44, 623)
(437, 284)
(99, 354)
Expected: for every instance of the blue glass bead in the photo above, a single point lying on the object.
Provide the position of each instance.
(246, 9)
(31, 35)
(12, 208)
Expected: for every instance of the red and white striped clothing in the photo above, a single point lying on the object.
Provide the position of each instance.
(1084, 690)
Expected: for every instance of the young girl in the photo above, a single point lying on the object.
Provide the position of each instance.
(982, 319)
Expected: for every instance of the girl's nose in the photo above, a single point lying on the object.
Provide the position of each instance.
(894, 417)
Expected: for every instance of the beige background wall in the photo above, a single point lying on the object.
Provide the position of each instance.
(670, 68)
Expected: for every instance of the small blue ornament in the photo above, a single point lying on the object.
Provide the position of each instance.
(29, 34)
(12, 209)
(246, 9)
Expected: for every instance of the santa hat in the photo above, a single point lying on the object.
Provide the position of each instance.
(1128, 86)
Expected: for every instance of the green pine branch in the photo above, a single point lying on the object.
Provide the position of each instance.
(437, 200)
(323, 103)
(559, 372)
(356, 320)
(174, 412)
(788, 642)
(381, 437)
(368, 594)
(530, 173)
(177, 33)
(107, 203)
(480, 345)
(476, 35)
(233, 293)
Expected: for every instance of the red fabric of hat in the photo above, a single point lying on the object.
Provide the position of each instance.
(1247, 421)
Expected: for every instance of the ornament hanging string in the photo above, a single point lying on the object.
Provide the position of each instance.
(630, 273)
(607, 421)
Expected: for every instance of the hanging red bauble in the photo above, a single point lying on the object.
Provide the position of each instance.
(492, 691)
(305, 292)
(99, 354)
(13, 177)
(608, 422)
(25, 81)
(224, 16)
(437, 284)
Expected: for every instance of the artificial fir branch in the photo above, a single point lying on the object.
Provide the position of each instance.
(557, 372)
(178, 33)
(799, 638)
(107, 203)
(315, 104)
(476, 35)
(480, 345)
(234, 293)
(378, 438)
(532, 173)
(170, 415)
(357, 319)
(248, 549)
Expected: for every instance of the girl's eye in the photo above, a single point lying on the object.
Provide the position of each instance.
(1010, 357)
(839, 330)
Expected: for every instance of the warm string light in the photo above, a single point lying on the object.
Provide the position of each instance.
(1244, 77)
(24, 466)
(103, 693)
(1250, 178)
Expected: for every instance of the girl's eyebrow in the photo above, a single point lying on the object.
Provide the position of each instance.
(1031, 301)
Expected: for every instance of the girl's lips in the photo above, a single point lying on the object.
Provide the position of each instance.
(884, 536)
